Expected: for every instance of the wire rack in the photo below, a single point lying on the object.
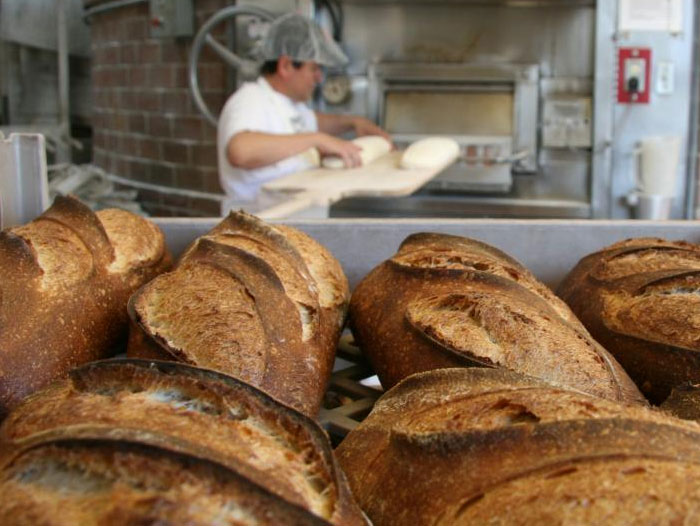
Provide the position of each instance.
(352, 391)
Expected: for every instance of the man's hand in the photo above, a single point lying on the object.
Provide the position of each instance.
(346, 150)
(364, 126)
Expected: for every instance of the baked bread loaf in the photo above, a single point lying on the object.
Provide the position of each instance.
(263, 303)
(488, 446)
(192, 412)
(447, 301)
(66, 482)
(66, 280)
(639, 298)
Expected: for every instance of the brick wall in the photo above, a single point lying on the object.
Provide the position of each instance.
(145, 124)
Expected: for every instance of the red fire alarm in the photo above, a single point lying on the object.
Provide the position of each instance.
(633, 74)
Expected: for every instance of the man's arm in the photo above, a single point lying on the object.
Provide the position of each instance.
(339, 124)
(250, 150)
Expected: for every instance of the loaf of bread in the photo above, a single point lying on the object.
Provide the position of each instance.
(66, 280)
(196, 413)
(639, 298)
(447, 301)
(487, 446)
(263, 303)
(108, 482)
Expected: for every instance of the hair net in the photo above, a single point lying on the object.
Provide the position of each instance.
(300, 39)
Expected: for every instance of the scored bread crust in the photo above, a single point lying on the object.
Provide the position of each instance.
(446, 301)
(463, 446)
(639, 298)
(265, 304)
(67, 277)
(191, 411)
(64, 481)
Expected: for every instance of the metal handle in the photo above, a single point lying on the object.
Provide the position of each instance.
(228, 56)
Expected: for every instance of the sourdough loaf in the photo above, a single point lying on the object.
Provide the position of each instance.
(639, 298)
(446, 301)
(66, 280)
(263, 303)
(108, 482)
(193, 412)
(489, 446)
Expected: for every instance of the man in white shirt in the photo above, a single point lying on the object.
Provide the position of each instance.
(266, 130)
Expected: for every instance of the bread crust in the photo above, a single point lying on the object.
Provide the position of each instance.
(455, 446)
(445, 301)
(639, 299)
(62, 300)
(63, 481)
(193, 412)
(272, 327)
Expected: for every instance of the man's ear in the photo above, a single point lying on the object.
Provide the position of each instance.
(284, 66)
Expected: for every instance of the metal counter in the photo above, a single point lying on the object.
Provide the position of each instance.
(550, 248)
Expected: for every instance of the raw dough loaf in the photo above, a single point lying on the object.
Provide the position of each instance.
(373, 147)
(432, 152)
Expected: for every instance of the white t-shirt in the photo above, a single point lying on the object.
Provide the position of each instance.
(256, 106)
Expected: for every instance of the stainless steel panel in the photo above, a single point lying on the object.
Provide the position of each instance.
(550, 248)
(33, 23)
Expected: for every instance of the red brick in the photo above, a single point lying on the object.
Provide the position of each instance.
(138, 170)
(175, 200)
(130, 145)
(176, 152)
(188, 177)
(206, 207)
(150, 148)
(163, 174)
(109, 55)
(211, 77)
(137, 123)
(121, 121)
(148, 101)
(176, 101)
(210, 182)
(129, 53)
(161, 75)
(136, 29)
(204, 155)
(149, 52)
(174, 51)
(180, 77)
(138, 76)
(159, 126)
(149, 196)
(187, 128)
(127, 100)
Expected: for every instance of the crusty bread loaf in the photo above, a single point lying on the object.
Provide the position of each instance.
(107, 482)
(193, 412)
(639, 298)
(260, 302)
(447, 301)
(66, 280)
(489, 446)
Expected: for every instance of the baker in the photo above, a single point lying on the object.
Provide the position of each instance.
(266, 130)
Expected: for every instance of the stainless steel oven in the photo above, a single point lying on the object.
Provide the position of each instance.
(491, 110)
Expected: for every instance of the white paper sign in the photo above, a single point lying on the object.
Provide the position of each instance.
(651, 15)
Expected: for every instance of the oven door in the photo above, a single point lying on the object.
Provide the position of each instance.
(460, 100)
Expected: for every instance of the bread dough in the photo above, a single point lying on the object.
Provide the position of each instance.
(431, 152)
(373, 147)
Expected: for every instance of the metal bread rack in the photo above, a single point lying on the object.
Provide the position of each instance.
(352, 391)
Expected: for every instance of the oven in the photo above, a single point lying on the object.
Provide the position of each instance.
(490, 110)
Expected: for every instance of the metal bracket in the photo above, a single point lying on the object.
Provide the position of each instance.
(24, 186)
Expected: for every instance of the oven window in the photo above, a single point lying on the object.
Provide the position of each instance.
(454, 113)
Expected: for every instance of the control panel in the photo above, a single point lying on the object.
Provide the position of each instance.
(634, 70)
